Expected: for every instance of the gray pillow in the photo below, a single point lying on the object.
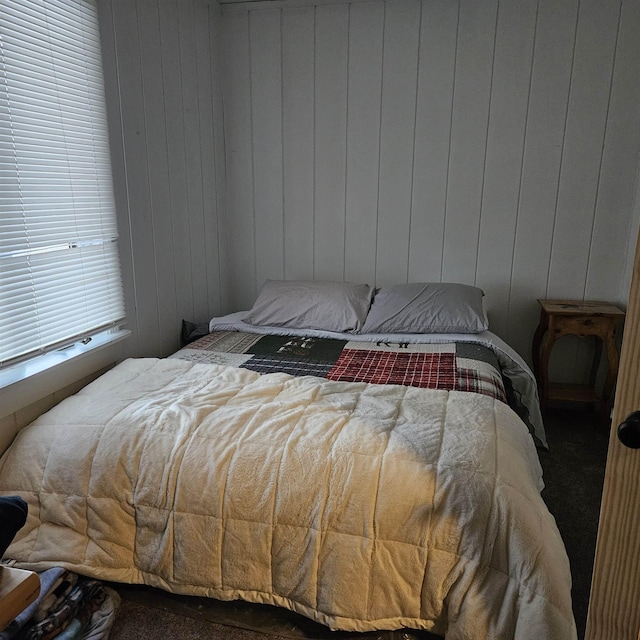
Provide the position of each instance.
(427, 308)
(328, 306)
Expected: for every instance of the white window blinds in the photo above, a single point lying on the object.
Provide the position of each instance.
(59, 269)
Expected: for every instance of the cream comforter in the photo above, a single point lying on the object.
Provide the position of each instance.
(360, 506)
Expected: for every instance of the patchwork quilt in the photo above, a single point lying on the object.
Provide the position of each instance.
(361, 506)
(454, 367)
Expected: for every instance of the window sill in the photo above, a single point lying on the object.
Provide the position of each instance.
(27, 382)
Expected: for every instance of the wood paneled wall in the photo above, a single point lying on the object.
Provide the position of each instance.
(489, 142)
(164, 102)
(480, 141)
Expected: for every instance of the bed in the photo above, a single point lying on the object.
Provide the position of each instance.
(347, 468)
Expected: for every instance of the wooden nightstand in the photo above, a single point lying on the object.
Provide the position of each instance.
(572, 317)
(18, 589)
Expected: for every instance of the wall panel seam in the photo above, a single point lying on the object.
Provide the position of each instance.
(602, 150)
(451, 112)
(562, 153)
(415, 127)
(509, 321)
(486, 140)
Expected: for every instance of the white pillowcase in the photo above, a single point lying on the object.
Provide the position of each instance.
(303, 304)
(440, 307)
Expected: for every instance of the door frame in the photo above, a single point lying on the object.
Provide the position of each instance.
(614, 604)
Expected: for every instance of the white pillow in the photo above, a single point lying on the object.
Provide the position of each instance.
(427, 308)
(303, 304)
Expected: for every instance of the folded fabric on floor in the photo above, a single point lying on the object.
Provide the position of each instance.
(69, 606)
(49, 582)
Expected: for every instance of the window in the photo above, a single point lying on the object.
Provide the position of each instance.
(60, 277)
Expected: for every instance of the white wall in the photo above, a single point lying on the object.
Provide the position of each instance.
(164, 102)
(477, 141)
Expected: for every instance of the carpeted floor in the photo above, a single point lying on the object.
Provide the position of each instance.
(574, 474)
(153, 615)
(574, 471)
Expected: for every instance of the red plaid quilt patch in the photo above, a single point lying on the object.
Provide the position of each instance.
(427, 370)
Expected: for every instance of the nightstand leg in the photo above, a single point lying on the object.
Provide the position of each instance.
(597, 357)
(537, 342)
(613, 360)
(545, 356)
